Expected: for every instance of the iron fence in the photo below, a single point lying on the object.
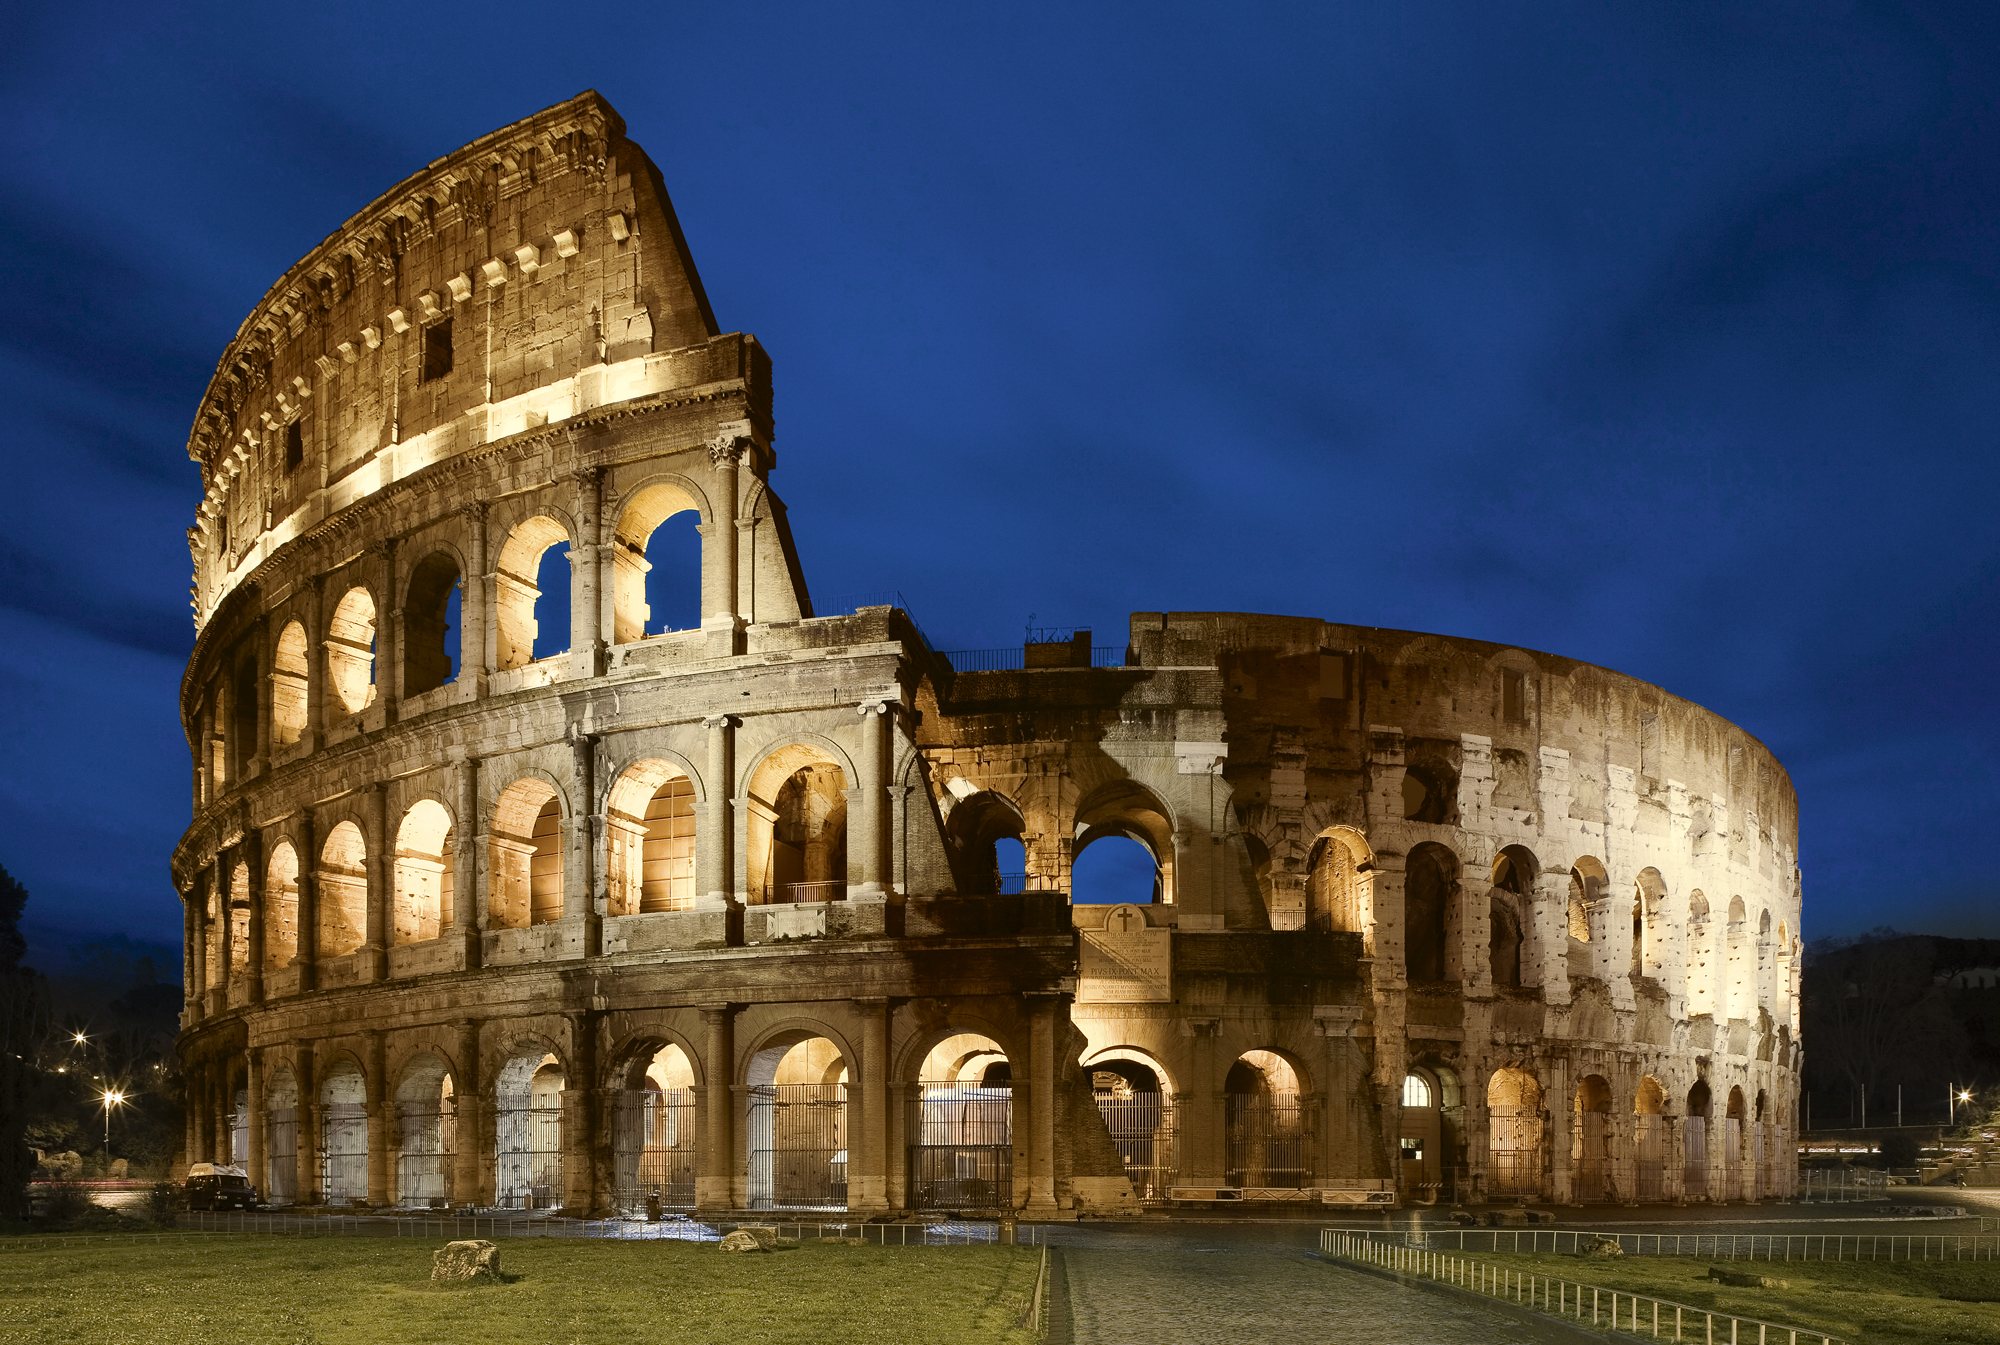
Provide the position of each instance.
(798, 1146)
(426, 1138)
(1711, 1246)
(961, 1147)
(1142, 1126)
(343, 1153)
(1265, 1141)
(654, 1156)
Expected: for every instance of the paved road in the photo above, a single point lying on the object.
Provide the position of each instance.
(1221, 1285)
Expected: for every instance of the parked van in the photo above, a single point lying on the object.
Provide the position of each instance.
(213, 1186)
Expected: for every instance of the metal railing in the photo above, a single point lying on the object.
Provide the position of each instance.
(1606, 1309)
(802, 894)
(1014, 658)
(1038, 1314)
(1716, 1246)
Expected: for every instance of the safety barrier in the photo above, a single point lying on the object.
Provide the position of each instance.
(1606, 1309)
(1721, 1246)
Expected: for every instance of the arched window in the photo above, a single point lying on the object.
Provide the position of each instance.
(1416, 1092)
(430, 615)
(350, 651)
(656, 564)
(424, 878)
(1333, 885)
(281, 907)
(525, 873)
(343, 891)
(797, 827)
(651, 833)
(531, 593)
(1430, 793)
(1430, 890)
(288, 685)
(984, 830)
(1123, 849)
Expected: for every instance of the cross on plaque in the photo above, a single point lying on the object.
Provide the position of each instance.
(1124, 919)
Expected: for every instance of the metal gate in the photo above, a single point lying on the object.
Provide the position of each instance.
(1592, 1155)
(1142, 1126)
(530, 1158)
(1732, 1159)
(655, 1149)
(798, 1146)
(281, 1146)
(1649, 1177)
(962, 1147)
(425, 1140)
(343, 1153)
(1266, 1141)
(1694, 1163)
(1514, 1154)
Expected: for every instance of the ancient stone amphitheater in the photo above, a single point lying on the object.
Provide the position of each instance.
(552, 850)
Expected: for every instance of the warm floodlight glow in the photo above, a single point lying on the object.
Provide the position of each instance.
(1965, 1095)
(78, 1037)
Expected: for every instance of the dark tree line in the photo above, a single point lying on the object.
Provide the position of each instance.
(24, 1024)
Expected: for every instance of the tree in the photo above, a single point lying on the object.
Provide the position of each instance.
(23, 1020)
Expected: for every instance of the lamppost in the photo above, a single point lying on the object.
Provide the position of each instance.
(113, 1097)
(1954, 1096)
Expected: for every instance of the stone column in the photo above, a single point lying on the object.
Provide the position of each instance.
(468, 1160)
(315, 668)
(580, 1193)
(253, 859)
(261, 646)
(308, 1185)
(869, 831)
(474, 660)
(306, 958)
(715, 1182)
(1198, 1108)
(193, 941)
(1047, 1015)
(381, 1124)
(388, 635)
(253, 1092)
(465, 884)
(221, 935)
(581, 901)
(721, 605)
(868, 1133)
(715, 835)
(381, 871)
(587, 564)
(191, 1122)
(1558, 1126)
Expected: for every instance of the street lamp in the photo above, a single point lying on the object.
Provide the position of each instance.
(113, 1097)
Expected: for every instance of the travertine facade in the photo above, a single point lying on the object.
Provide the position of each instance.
(718, 917)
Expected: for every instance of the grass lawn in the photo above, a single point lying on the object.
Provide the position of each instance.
(1864, 1302)
(217, 1289)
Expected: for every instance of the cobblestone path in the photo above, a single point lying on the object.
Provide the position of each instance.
(1219, 1286)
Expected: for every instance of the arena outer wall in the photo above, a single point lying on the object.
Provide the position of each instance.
(715, 917)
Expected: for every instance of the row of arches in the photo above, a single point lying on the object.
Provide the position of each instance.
(1730, 967)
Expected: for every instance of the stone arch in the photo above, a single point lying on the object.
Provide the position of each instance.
(342, 889)
(1515, 1130)
(1337, 886)
(281, 907)
(1740, 963)
(350, 651)
(525, 859)
(649, 817)
(430, 654)
(1735, 1146)
(1511, 940)
(1650, 1139)
(1265, 1126)
(796, 1122)
(343, 1131)
(1430, 914)
(239, 918)
(1135, 1095)
(280, 1178)
(653, 505)
(1125, 808)
(421, 898)
(1430, 792)
(1425, 1169)
(1591, 1140)
(288, 685)
(426, 1135)
(517, 613)
(795, 824)
(961, 1131)
(528, 1127)
(1587, 886)
(1694, 1142)
(654, 1126)
(988, 855)
(1650, 924)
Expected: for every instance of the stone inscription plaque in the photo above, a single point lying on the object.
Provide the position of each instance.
(1125, 961)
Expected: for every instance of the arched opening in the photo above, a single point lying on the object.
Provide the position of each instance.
(342, 885)
(531, 593)
(426, 1133)
(350, 651)
(988, 858)
(1586, 893)
(239, 1129)
(1420, 1146)
(1264, 1124)
(424, 879)
(797, 1125)
(1694, 1143)
(1650, 926)
(797, 827)
(1430, 793)
(1430, 914)
(239, 919)
(528, 1131)
(1503, 941)
(1763, 1152)
(656, 564)
(1137, 1104)
(280, 1178)
(649, 823)
(1700, 965)
(1333, 884)
(525, 863)
(1136, 862)
(1734, 1120)
(1649, 1137)
(962, 1127)
(1514, 1131)
(288, 685)
(343, 1134)
(430, 615)
(242, 706)
(1590, 1140)
(281, 907)
(652, 1151)
(214, 935)
(1741, 963)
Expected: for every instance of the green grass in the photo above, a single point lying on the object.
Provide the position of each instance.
(1864, 1302)
(218, 1289)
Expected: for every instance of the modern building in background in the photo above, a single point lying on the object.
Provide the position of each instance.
(552, 849)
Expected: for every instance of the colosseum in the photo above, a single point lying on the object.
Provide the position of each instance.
(552, 850)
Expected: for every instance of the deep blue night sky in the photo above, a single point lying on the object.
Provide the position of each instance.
(1663, 337)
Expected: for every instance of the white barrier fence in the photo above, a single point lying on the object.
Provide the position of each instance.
(1721, 1246)
(1606, 1309)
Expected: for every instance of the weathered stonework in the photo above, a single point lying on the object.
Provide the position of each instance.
(715, 917)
